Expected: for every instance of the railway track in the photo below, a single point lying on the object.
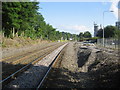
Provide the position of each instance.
(13, 66)
(20, 55)
(52, 65)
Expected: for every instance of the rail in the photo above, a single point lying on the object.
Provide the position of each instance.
(14, 56)
(24, 67)
(50, 66)
(20, 69)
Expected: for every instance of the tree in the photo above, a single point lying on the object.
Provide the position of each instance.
(24, 19)
(87, 34)
(64, 35)
(117, 34)
(18, 16)
(81, 36)
(109, 31)
(74, 36)
(10, 17)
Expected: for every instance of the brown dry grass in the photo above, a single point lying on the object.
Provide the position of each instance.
(18, 42)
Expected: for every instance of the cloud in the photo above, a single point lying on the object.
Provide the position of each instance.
(114, 7)
(74, 29)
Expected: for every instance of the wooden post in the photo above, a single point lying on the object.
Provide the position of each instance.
(13, 33)
(22, 34)
(41, 37)
(16, 34)
(3, 35)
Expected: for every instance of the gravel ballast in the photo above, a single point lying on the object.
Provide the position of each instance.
(31, 77)
(6, 52)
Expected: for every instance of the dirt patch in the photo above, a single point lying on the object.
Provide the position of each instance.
(85, 67)
(69, 60)
(106, 70)
(83, 55)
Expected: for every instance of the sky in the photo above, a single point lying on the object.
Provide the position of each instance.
(76, 17)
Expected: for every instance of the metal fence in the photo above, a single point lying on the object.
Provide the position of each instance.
(110, 43)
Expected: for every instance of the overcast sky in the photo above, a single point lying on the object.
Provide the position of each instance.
(76, 17)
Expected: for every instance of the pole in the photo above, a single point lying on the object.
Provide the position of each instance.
(103, 31)
(103, 28)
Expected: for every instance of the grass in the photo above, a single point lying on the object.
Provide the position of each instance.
(18, 42)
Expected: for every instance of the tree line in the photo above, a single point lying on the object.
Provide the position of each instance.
(23, 19)
(85, 35)
(109, 32)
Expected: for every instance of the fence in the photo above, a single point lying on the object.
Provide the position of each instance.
(110, 43)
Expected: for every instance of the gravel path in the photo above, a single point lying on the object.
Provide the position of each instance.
(31, 77)
(70, 59)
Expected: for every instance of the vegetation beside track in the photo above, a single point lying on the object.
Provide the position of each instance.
(24, 19)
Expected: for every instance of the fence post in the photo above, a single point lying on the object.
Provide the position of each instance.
(13, 32)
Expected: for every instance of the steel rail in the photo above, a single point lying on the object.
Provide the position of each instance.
(14, 56)
(21, 69)
(42, 56)
(29, 55)
(32, 54)
(50, 66)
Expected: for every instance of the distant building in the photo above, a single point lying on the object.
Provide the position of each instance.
(118, 25)
(119, 11)
(95, 29)
(118, 22)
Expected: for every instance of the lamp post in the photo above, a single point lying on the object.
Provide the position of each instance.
(103, 28)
